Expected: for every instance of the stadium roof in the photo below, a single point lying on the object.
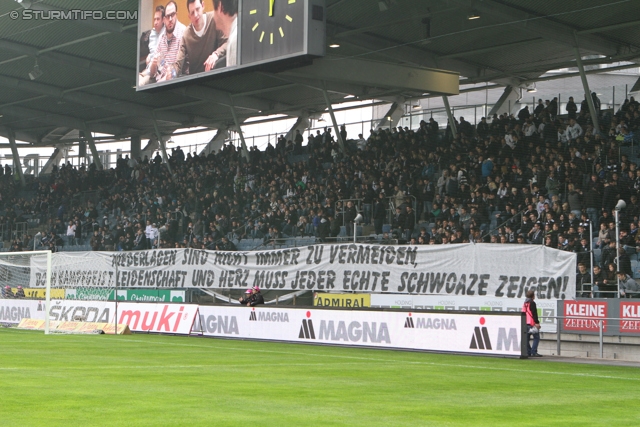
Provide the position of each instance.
(89, 67)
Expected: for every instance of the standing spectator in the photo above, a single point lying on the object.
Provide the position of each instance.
(533, 324)
(572, 108)
(379, 213)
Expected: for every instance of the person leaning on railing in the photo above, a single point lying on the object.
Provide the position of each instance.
(629, 288)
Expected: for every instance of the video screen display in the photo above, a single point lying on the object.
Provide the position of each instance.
(188, 39)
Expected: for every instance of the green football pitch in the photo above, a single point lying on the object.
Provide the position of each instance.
(144, 380)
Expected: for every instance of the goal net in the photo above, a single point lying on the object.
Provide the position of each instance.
(60, 288)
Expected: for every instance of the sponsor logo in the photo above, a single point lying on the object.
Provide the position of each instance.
(306, 330)
(63, 312)
(352, 332)
(408, 323)
(480, 338)
(430, 323)
(630, 312)
(227, 325)
(14, 314)
(268, 316)
(342, 300)
(585, 315)
(508, 341)
(160, 322)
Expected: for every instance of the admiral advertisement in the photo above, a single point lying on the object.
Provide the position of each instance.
(446, 332)
(496, 271)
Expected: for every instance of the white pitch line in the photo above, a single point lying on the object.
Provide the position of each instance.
(216, 367)
(370, 359)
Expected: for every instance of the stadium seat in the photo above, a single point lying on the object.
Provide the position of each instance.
(386, 228)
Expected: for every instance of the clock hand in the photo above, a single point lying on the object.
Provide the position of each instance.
(271, 3)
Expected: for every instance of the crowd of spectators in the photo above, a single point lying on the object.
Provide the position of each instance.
(536, 177)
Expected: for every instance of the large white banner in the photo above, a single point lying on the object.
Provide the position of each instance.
(485, 333)
(501, 271)
(546, 308)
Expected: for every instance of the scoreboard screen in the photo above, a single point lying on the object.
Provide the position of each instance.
(190, 39)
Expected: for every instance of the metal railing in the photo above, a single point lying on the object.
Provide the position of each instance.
(601, 321)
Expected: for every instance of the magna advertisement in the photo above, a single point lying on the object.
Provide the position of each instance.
(484, 333)
(484, 270)
(546, 307)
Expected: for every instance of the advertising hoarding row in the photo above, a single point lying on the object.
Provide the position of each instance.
(483, 333)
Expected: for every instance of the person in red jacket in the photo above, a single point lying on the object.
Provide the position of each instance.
(533, 324)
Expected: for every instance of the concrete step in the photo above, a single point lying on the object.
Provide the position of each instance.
(588, 346)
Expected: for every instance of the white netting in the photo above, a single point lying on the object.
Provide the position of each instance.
(15, 274)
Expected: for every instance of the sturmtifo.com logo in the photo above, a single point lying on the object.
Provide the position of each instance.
(28, 14)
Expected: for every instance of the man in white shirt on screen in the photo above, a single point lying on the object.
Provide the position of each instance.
(168, 45)
(226, 17)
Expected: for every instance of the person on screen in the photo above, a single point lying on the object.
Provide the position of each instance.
(149, 42)
(202, 43)
(161, 65)
(226, 17)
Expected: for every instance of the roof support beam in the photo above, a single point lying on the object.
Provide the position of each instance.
(94, 151)
(333, 119)
(587, 92)
(383, 75)
(509, 98)
(216, 142)
(28, 114)
(96, 101)
(301, 125)
(245, 151)
(491, 48)
(540, 26)
(392, 115)
(53, 161)
(17, 167)
(163, 147)
(452, 120)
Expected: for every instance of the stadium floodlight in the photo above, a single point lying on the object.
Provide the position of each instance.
(36, 72)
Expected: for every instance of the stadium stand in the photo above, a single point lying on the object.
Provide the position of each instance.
(538, 179)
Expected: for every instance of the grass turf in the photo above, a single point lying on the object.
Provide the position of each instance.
(144, 380)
